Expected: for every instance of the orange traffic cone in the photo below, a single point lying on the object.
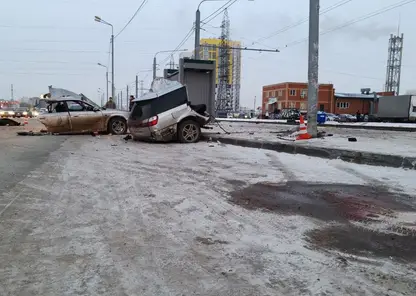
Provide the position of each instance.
(303, 133)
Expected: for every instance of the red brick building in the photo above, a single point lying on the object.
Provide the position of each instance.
(295, 95)
(350, 103)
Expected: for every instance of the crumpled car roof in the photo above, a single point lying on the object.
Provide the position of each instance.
(61, 93)
(159, 87)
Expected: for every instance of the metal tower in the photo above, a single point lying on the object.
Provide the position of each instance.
(224, 96)
(394, 64)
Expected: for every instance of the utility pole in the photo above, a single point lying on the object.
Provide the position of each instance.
(11, 92)
(141, 88)
(127, 98)
(113, 89)
(313, 67)
(137, 86)
(255, 97)
(197, 32)
(154, 67)
(121, 100)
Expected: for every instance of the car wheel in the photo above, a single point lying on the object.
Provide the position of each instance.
(117, 126)
(189, 131)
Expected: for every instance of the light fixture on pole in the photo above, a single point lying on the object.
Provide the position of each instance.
(106, 78)
(99, 20)
(163, 51)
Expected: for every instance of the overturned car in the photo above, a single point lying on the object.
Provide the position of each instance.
(166, 114)
(69, 112)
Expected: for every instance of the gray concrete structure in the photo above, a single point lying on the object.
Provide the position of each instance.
(199, 78)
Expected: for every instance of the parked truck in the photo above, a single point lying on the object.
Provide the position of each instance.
(397, 108)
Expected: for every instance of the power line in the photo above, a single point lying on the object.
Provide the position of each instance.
(219, 11)
(132, 18)
(302, 21)
(186, 38)
(356, 20)
(47, 62)
(50, 50)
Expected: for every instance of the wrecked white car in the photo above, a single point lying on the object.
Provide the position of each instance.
(69, 112)
(165, 114)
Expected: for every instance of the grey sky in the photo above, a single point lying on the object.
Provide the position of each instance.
(57, 43)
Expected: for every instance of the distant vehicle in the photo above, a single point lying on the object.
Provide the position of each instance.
(346, 118)
(21, 112)
(289, 114)
(331, 117)
(397, 108)
(72, 113)
(166, 114)
(7, 113)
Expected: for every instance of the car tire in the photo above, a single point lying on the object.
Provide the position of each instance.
(117, 126)
(189, 131)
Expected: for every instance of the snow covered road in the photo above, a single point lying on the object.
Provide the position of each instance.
(104, 217)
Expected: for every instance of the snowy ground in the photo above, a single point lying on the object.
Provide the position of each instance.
(104, 217)
(363, 124)
(383, 142)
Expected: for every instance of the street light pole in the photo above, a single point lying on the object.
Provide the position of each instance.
(313, 67)
(106, 78)
(113, 89)
(163, 51)
(99, 20)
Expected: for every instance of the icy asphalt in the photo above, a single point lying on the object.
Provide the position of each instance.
(98, 216)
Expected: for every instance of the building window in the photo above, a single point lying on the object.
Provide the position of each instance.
(292, 105)
(343, 105)
(280, 92)
(303, 93)
(292, 92)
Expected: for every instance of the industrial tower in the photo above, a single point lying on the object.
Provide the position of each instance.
(224, 89)
(394, 64)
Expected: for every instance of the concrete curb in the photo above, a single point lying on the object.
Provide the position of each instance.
(380, 128)
(358, 157)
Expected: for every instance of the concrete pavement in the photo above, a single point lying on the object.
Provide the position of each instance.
(105, 217)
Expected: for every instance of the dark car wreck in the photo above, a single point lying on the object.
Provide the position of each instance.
(166, 114)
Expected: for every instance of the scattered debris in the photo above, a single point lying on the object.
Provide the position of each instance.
(210, 241)
(31, 133)
(128, 137)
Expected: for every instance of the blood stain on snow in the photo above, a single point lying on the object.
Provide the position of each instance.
(326, 202)
(341, 203)
(362, 241)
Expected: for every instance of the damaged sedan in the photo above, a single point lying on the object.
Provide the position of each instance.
(166, 114)
(69, 112)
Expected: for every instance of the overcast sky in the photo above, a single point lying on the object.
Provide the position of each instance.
(57, 42)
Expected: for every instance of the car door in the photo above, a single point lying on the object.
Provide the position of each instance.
(56, 120)
(84, 117)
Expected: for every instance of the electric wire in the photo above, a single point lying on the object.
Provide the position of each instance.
(132, 18)
(186, 38)
(356, 20)
(302, 21)
(219, 12)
